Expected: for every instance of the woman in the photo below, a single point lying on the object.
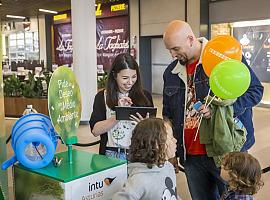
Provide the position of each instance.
(124, 88)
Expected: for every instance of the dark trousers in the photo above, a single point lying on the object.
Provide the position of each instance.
(203, 178)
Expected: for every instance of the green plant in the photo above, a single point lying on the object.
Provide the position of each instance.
(101, 81)
(29, 87)
(33, 87)
(12, 86)
(47, 77)
(39, 86)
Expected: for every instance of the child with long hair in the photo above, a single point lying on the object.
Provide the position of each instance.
(151, 176)
(124, 88)
(242, 172)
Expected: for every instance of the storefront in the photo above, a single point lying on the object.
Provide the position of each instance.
(251, 29)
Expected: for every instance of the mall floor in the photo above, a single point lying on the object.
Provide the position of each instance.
(260, 150)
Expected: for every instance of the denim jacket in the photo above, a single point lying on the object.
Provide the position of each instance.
(174, 99)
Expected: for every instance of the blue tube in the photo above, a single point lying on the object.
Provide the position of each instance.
(8, 163)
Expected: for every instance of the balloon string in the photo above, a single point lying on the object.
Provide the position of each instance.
(201, 116)
(196, 135)
(208, 94)
(210, 101)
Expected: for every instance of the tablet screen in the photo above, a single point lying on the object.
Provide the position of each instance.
(123, 112)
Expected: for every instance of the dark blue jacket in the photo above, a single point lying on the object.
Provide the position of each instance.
(174, 102)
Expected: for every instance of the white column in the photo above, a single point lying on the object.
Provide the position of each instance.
(84, 52)
(134, 24)
(193, 16)
(42, 39)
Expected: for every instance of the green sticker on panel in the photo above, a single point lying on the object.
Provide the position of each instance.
(64, 102)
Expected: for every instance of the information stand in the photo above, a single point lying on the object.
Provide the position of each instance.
(91, 176)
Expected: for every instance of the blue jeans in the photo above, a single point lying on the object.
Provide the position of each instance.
(114, 154)
(203, 178)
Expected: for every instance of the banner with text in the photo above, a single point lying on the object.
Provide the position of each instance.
(64, 104)
(98, 186)
(112, 9)
(112, 39)
(255, 41)
(63, 50)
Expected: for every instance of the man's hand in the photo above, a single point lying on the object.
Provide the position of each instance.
(205, 112)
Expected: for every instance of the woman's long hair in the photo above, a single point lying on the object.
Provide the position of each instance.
(121, 62)
(148, 142)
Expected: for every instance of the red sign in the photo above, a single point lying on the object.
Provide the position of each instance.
(112, 39)
(63, 44)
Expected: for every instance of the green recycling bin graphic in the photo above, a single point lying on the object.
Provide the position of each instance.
(64, 104)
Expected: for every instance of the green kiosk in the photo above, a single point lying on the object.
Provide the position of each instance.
(73, 174)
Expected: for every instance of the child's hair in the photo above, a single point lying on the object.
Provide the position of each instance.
(244, 171)
(148, 142)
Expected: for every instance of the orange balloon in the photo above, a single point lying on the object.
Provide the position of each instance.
(222, 47)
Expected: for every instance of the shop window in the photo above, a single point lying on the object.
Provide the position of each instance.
(23, 46)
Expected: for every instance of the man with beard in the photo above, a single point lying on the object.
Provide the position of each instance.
(185, 83)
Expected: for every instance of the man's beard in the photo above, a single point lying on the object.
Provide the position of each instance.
(183, 61)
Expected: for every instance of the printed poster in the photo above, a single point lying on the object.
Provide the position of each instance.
(63, 44)
(255, 41)
(112, 39)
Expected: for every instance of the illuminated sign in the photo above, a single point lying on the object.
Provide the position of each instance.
(59, 17)
(112, 8)
(98, 10)
(118, 7)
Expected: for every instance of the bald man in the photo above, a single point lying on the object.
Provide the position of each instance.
(185, 83)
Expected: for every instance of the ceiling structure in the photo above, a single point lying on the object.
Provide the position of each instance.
(213, 1)
(29, 8)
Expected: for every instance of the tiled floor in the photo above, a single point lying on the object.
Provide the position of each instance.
(261, 149)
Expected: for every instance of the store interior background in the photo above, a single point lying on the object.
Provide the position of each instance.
(207, 18)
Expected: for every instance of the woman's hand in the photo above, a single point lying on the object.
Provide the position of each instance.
(104, 126)
(138, 117)
(125, 101)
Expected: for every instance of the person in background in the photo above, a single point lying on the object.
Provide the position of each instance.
(151, 176)
(185, 83)
(124, 88)
(242, 172)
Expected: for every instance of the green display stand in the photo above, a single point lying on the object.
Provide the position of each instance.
(1, 194)
(91, 176)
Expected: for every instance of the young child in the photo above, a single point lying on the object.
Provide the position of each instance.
(151, 176)
(242, 172)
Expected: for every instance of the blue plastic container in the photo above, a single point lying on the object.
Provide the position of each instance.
(33, 140)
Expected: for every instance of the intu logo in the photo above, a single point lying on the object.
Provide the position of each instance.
(100, 184)
(95, 186)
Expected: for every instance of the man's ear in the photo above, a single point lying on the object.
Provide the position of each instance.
(191, 40)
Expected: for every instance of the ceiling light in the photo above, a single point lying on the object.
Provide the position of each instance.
(15, 16)
(47, 11)
(0, 3)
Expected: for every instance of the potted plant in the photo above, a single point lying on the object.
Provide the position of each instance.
(12, 86)
(20, 94)
(101, 81)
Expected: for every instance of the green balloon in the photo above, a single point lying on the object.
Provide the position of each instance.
(229, 79)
